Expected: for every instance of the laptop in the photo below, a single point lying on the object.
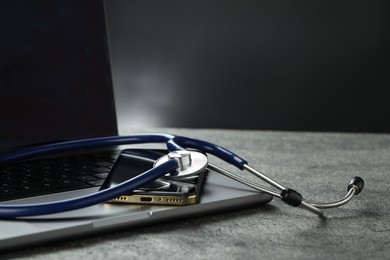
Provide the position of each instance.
(56, 85)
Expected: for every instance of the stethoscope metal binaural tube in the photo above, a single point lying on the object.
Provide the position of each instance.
(354, 187)
(353, 191)
(174, 143)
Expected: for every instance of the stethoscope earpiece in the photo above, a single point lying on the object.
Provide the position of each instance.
(356, 183)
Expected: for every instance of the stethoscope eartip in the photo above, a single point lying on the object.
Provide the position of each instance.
(356, 182)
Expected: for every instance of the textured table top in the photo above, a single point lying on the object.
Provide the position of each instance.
(318, 165)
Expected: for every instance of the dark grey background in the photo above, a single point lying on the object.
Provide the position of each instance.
(280, 65)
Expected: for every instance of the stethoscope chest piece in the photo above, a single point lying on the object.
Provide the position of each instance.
(190, 162)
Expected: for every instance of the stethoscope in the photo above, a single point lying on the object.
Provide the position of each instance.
(186, 157)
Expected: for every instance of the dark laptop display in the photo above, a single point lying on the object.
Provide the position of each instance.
(55, 80)
(55, 85)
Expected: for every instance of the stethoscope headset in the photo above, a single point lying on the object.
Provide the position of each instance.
(186, 157)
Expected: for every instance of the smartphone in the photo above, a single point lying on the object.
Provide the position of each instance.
(163, 191)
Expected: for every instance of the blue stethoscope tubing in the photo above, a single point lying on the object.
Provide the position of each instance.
(173, 143)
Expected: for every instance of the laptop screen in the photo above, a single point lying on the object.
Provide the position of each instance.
(55, 78)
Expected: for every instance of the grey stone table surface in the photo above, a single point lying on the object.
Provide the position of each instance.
(319, 165)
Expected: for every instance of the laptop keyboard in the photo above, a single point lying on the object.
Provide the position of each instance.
(47, 176)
